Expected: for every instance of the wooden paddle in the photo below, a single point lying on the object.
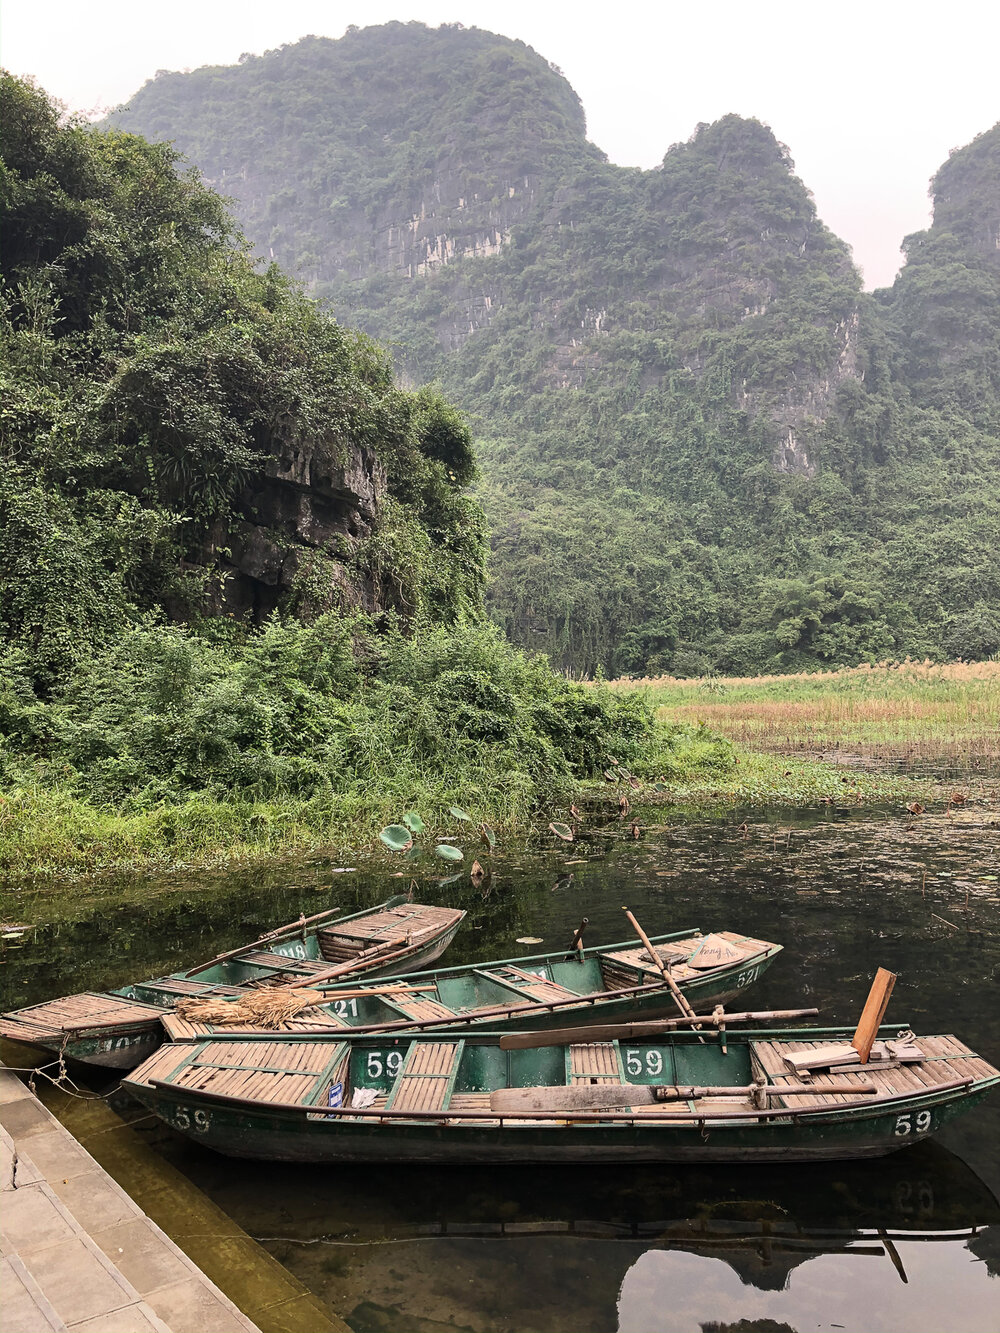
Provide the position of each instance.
(523, 1041)
(590, 1096)
(675, 990)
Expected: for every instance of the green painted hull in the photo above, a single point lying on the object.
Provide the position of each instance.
(276, 1136)
(376, 1014)
(308, 1132)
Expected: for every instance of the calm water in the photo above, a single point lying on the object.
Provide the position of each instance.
(909, 1243)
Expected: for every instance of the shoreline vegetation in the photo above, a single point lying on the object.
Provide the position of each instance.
(189, 773)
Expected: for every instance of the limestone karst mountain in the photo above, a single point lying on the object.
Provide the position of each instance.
(702, 446)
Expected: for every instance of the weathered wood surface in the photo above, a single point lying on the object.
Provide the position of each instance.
(873, 1013)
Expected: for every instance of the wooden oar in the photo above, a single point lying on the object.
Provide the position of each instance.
(264, 939)
(682, 1002)
(523, 1041)
(366, 956)
(590, 1096)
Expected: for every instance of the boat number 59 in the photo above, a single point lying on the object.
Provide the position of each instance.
(906, 1124)
(185, 1120)
(393, 1063)
(643, 1062)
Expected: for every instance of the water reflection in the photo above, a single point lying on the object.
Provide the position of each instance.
(640, 1248)
(582, 1249)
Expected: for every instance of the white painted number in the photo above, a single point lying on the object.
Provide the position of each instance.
(182, 1120)
(746, 977)
(390, 1061)
(296, 949)
(346, 1007)
(904, 1124)
(643, 1062)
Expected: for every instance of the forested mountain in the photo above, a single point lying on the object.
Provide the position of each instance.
(702, 446)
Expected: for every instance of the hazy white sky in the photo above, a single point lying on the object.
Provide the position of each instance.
(869, 97)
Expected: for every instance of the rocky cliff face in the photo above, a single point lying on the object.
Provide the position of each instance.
(306, 512)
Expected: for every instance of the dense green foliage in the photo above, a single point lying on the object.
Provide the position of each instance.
(151, 377)
(702, 447)
(152, 381)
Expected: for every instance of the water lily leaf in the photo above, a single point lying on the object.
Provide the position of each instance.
(489, 837)
(609, 776)
(448, 853)
(414, 823)
(397, 838)
(562, 831)
(528, 939)
(459, 813)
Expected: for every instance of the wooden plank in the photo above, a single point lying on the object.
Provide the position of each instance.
(873, 1013)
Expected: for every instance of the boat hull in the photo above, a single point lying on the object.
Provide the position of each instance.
(275, 1135)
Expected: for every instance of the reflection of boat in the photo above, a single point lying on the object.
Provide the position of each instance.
(118, 1029)
(595, 985)
(535, 1233)
(679, 1097)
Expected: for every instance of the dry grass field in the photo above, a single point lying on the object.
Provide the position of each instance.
(895, 710)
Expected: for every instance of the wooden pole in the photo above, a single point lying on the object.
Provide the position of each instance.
(873, 1013)
(577, 945)
(675, 990)
(522, 1041)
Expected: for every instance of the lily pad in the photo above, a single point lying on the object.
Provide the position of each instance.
(448, 853)
(489, 837)
(529, 939)
(562, 831)
(414, 823)
(396, 837)
(459, 813)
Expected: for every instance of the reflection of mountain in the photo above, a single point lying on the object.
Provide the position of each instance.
(747, 1326)
(551, 1248)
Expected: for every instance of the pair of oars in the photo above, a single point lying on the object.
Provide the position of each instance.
(595, 1096)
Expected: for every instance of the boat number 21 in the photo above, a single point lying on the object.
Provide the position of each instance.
(906, 1124)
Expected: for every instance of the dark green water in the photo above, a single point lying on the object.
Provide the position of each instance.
(901, 1245)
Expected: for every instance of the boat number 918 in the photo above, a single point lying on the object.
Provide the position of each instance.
(907, 1124)
(389, 1061)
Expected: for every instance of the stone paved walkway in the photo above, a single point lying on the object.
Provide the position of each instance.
(76, 1252)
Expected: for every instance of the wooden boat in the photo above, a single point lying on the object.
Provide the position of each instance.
(675, 1097)
(594, 985)
(118, 1029)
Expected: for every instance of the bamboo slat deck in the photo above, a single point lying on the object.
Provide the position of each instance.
(594, 1062)
(638, 959)
(87, 1010)
(274, 1071)
(539, 988)
(396, 926)
(426, 1077)
(945, 1059)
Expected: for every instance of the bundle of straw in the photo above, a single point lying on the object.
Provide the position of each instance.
(270, 1008)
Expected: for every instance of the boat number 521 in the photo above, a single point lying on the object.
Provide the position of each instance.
(906, 1124)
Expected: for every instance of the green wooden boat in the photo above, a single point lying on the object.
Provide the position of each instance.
(118, 1029)
(728, 1098)
(595, 985)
